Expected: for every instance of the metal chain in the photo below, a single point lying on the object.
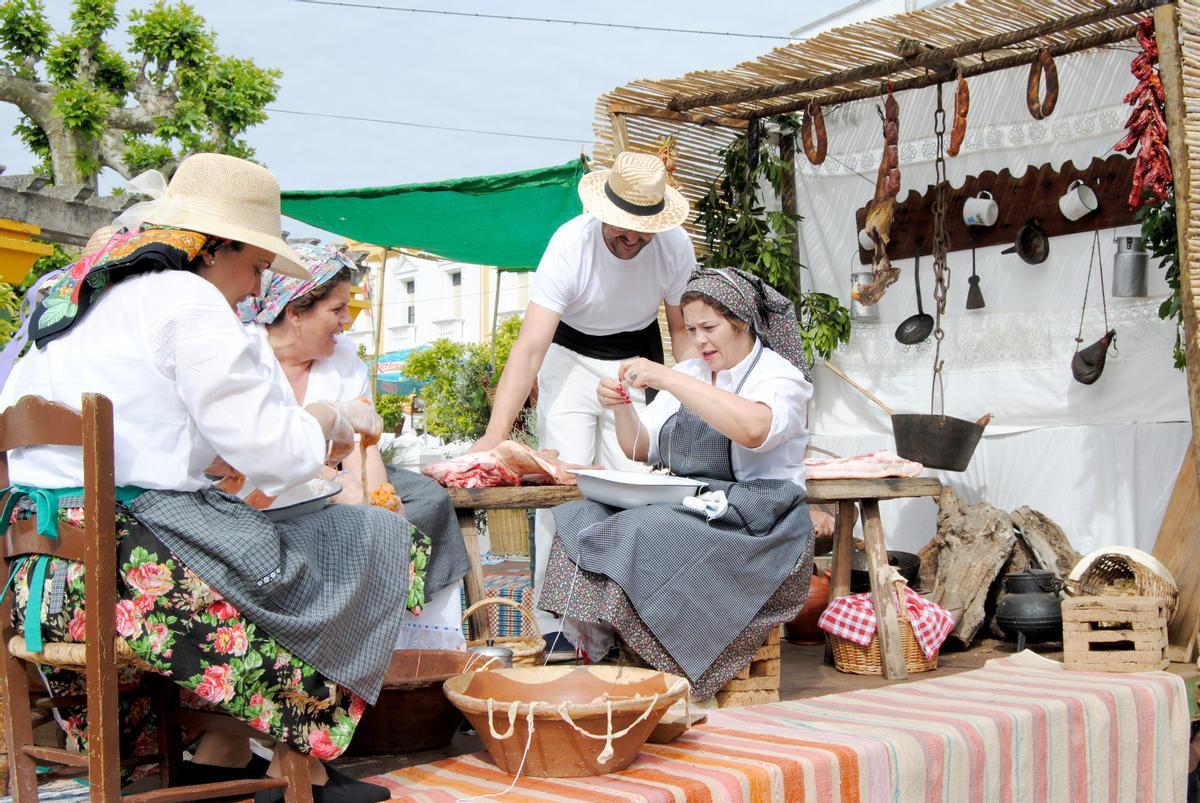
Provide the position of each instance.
(941, 244)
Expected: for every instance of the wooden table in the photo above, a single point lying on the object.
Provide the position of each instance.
(846, 493)
(468, 500)
(868, 493)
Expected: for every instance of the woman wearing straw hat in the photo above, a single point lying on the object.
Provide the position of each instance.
(594, 302)
(298, 324)
(279, 624)
(693, 589)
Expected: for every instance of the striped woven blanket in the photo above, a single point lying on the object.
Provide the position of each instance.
(1019, 729)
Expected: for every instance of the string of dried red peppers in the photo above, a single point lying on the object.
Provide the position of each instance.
(1146, 125)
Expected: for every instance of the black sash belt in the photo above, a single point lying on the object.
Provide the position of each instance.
(645, 342)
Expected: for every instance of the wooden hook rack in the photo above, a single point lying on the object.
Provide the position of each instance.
(1034, 194)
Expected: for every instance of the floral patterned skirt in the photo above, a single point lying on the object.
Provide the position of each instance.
(180, 627)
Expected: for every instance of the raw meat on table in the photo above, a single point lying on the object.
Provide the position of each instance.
(508, 463)
(870, 466)
(474, 470)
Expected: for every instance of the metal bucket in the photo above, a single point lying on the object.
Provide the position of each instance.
(936, 441)
(1129, 272)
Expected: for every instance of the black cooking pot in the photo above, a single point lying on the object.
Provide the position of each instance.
(908, 564)
(1031, 610)
(936, 441)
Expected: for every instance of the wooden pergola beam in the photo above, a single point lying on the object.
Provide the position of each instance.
(882, 69)
(921, 81)
(1173, 64)
(659, 113)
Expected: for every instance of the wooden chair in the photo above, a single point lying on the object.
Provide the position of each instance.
(33, 421)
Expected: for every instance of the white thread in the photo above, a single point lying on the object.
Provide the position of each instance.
(524, 755)
(567, 605)
(475, 656)
(512, 719)
(607, 752)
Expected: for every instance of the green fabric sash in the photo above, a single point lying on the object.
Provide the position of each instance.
(48, 502)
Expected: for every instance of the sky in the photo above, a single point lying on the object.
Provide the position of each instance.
(530, 78)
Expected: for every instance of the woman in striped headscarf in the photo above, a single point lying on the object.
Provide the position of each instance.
(694, 590)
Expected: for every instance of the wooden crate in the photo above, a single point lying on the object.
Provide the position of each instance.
(758, 682)
(1115, 634)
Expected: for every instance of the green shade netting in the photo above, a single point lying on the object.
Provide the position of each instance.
(504, 220)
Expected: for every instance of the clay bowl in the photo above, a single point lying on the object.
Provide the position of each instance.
(412, 712)
(558, 750)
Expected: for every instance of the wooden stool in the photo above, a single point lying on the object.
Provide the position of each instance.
(1115, 634)
(758, 682)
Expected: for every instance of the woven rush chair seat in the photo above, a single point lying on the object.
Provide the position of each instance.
(70, 655)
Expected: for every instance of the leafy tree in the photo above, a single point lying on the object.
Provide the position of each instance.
(459, 376)
(391, 409)
(455, 393)
(86, 106)
(741, 233)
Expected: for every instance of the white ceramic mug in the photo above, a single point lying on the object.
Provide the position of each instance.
(1079, 200)
(864, 240)
(981, 210)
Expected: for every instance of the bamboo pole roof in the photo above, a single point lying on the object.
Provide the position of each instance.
(876, 47)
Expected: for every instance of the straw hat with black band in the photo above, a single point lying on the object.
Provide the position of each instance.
(634, 195)
(218, 195)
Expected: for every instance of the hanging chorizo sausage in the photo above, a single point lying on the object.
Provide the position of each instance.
(814, 118)
(1042, 65)
(962, 104)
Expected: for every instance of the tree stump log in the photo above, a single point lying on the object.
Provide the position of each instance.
(1046, 541)
(972, 545)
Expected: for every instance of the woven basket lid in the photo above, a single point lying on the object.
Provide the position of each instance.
(1131, 553)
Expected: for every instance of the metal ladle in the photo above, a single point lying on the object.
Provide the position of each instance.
(915, 328)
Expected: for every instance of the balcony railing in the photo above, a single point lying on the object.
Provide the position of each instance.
(451, 329)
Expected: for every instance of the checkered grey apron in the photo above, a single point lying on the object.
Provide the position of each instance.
(696, 584)
(330, 586)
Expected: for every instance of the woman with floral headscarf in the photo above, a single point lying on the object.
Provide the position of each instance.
(275, 623)
(694, 589)
(299, 326)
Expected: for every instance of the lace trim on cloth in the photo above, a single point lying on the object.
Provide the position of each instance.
(1026, 339)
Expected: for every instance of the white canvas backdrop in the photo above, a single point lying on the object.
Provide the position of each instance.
(1100, 460)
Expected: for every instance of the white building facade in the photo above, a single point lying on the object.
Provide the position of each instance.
(426, 299)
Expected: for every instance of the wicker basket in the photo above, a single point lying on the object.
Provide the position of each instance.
(1123, 572)
(508, 531)
(527, 649)
(859, 660)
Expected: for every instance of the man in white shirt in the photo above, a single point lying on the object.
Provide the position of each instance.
(594, 302)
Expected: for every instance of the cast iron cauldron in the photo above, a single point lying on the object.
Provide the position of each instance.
(936, 441)
(1031, 610)
(908, 564)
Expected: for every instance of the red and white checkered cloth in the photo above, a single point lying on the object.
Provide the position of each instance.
(853, 618)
